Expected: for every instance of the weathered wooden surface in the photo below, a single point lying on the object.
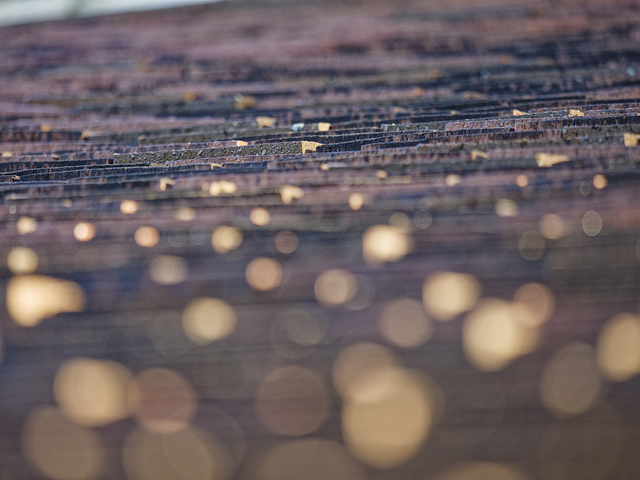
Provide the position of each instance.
(492, 139)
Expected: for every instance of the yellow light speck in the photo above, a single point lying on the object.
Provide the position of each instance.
(260, 216)
(205, 320)
(385, 243)
(618, 348)
(128, 207)
(447, 294)
(356, 201)
(263, 274)
(226, 238)
(22, 260)
(146, 236)
(599, 182)
(335, 287)
(552, 226)
(522, 181)
(26, 225)
(84, 231)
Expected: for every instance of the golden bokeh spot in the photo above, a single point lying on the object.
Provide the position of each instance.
(592, 223)
(571, 382)
(260, 216)
(404, 323)
(308, 459)
(33, 298)
(355, 364)
(22, 260)
(60, 449)
(381, 174)
(599, 182)
(188, 454)
(522, 181)
(452, 180)
(263, 274)
(289, 193)
(506, 208)
(205, 320)
(618, 348)
(531, 245)
(492, 338)
(128, 207)
(356, 201)
(387, 430)
(93, 392)
(164, 401)
(447, 294)
(226, 238)
(84, 231)
(223, 187)
(168, 270)
(26, 225)
(385, 243)
(552, 226)
(292, 401)
(533, 304)
(286, 242)
(335, 287)
(184, 214)
(482, 471)
(146, 236)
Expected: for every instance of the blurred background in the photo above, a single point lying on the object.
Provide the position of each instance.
(15, 12)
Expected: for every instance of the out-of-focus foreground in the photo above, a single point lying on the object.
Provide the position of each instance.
(276, 240)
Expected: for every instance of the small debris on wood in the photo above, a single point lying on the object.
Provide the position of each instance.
(545, 160)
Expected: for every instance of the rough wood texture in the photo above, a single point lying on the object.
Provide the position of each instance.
(436, 291)
(285, 148)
